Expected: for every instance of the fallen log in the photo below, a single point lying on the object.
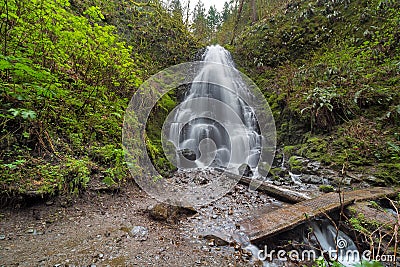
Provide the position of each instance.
(289, 217)
(279, 193)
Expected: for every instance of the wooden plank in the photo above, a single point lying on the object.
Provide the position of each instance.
(287, 218)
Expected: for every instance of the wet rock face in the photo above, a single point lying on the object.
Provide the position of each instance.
(372, 213)
(188, 154)
(300, 165)
(245, 170)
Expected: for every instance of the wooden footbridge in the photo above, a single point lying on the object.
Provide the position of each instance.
(289, 217)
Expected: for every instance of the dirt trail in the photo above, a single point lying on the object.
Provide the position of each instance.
(94, 230)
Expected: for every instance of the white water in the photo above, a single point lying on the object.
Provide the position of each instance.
(213, 121)
(325, 238)
(338, 245)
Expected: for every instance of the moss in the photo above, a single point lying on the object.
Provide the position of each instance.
(326, 188)
(366, 225)
(389, 172)
(276, 173)
(333, 72)
(295, 164)
(289, 150)
(316, 148)
(153, 130)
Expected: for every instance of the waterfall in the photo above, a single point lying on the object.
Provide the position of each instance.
(213, 122)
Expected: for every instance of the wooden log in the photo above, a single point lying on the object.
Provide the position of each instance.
(280, 193)
(289, 217)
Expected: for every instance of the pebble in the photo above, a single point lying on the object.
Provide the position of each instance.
(140, 233)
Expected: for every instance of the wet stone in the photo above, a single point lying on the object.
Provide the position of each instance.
(245, 170)
(217, 239)
(169, 213)
(139, 233)
(188, 154)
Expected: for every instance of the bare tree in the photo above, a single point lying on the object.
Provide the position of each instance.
(239, 14)
(187, 13)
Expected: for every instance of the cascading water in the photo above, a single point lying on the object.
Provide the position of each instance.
(229, 141)
(336, 243)
(215, 127)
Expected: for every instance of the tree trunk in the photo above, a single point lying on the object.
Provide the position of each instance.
(254, 10)
(187, 14)
(237, 21)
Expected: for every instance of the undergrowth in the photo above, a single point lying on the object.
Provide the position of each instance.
(330, 71)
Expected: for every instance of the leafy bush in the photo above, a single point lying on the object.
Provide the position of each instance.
(66, 75)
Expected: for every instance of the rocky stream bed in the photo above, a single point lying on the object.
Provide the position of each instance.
(129, 228)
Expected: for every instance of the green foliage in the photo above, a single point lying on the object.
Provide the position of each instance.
(94, 13)
(394, 151)
(67, 71)
(213, 18)
(157, 38)
(369, 264)
(199, 26)
(329, 68)
(326, 188)
(322, 263)
(78, 174)
(153, 128)
(14, 164)
(24, 113)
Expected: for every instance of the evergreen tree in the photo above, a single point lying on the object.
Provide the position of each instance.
(176, 9)
(199, 26)
(213, 18)
(225, 12)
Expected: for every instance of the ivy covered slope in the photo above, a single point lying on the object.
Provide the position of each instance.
(67, 75)
(331, 69)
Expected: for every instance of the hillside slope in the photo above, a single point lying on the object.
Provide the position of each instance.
(331, 72)
(68, 70)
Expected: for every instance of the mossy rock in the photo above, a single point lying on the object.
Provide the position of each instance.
(326, 188)
(389, 172)
(296, 164)
(278, 173)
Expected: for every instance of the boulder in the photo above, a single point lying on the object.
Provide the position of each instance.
(169, 213)
(300, 165)
(245, 170)
(188, 154)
